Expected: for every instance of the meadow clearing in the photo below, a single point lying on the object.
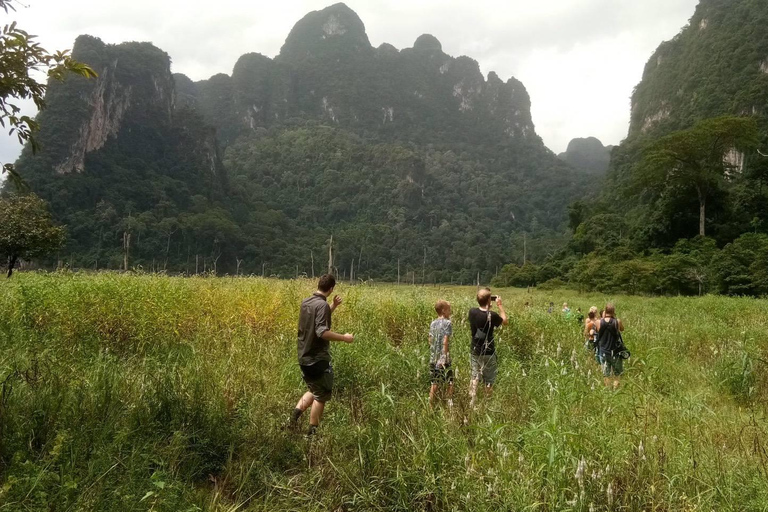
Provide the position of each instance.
(154, 393)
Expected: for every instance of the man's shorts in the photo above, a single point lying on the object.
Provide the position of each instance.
(319, 380)
(441, 375)
(484, 368)
(613, 366)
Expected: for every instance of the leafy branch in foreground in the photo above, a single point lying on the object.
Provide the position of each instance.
(21, 59)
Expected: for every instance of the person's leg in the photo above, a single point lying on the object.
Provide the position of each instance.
(322, 391)
(490, 368)
(476, 375)
(605, 364)
(316, 414)
(305, 402)
(618, 369)
(432, 393)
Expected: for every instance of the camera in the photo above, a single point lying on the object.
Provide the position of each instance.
(494, 298)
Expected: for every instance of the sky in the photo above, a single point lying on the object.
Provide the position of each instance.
(579, 59)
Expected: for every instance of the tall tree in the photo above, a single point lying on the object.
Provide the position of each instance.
(27, 230)
(701, 157)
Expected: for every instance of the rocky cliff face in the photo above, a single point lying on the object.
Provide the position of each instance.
(588, 155)
(132, 100)
(134, 85)
(328, 70)
(715, 66)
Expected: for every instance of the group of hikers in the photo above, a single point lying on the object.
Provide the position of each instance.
(602, 333)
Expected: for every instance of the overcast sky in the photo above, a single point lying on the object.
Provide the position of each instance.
(579, 59)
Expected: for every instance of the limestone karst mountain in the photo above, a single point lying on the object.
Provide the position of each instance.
(718, 64)
(409, 156)
(587, 154)
(328, 70)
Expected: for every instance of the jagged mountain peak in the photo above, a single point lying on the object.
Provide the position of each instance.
(336, 27)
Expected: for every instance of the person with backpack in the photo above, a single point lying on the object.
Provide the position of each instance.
(610, 346)
(482, 322)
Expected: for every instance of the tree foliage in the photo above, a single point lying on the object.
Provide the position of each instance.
(27, 230)
(21, 58)
(699, 158)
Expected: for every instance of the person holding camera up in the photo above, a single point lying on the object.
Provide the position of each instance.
(314, 352)
(610, 347)
(482, 322)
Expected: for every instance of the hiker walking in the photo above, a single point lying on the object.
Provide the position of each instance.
(314, 353)
(610, 346)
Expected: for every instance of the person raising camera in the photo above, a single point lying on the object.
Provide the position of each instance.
(482, 322)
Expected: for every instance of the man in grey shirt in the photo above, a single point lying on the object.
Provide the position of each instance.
(314, 353)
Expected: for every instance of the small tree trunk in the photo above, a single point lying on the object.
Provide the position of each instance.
(702, 211)
(11, 263)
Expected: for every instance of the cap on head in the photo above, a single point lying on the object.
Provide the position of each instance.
(484, 296)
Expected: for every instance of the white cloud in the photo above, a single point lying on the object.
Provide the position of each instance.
(579, 59)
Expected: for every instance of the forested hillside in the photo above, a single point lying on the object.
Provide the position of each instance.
(408, 158)
(642, 231)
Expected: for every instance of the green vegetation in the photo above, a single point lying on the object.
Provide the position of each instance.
(142, 393)
(21, 56)
(693, 267)
(27, 231)
(410, 160)
(691, 166)
(715, 66)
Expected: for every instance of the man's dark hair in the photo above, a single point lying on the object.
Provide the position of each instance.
(326, 283)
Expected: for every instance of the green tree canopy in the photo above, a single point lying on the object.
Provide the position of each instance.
(698, 157)
(26, 229)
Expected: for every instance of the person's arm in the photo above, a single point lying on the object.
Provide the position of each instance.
(446, 339)
(334, 336)
(621, 325)
(502, 313)
(336, 303)
(322, 323)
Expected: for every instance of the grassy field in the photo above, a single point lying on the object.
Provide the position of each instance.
(139, 393)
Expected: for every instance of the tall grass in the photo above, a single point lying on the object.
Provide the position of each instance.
(145, 393)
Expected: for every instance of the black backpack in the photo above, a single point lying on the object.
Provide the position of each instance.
(480, 339)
